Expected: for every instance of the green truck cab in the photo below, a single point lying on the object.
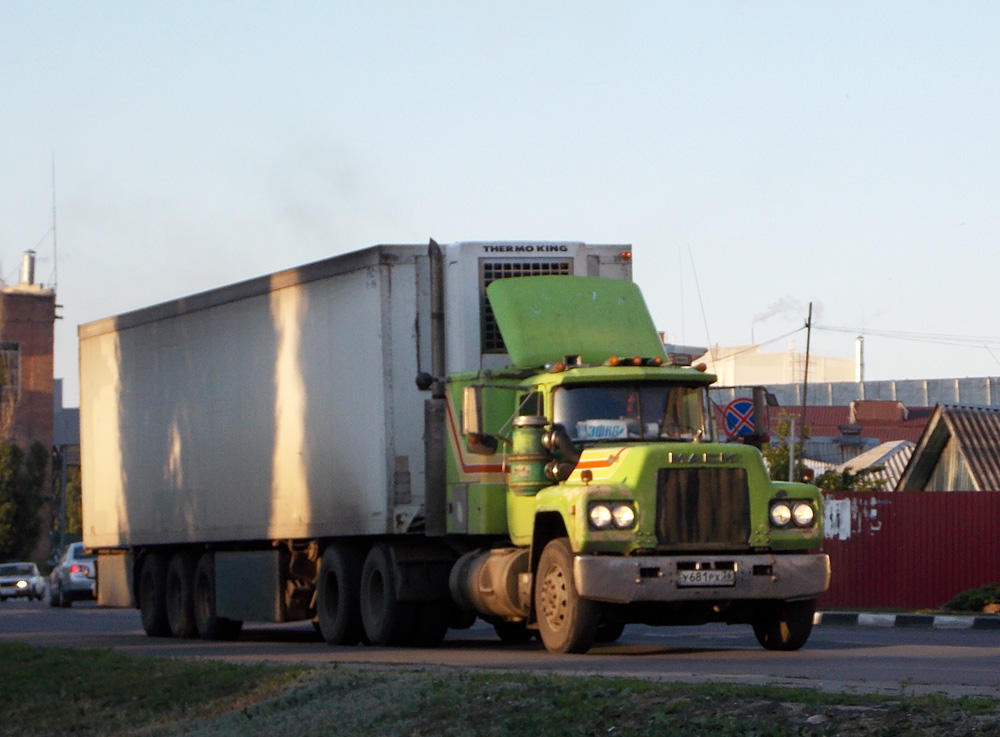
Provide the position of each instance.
(591, 472)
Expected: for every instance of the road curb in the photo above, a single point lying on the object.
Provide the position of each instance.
(913, 621)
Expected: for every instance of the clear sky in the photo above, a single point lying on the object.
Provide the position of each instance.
(759, 156)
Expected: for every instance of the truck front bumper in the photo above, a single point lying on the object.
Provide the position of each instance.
(622, 580)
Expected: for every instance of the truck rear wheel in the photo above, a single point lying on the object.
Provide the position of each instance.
(567, 623)
(209, 624)
(786, 625)
(180, 596)
(338, 596)
(152, 596)
(430, 623)
(386, 620)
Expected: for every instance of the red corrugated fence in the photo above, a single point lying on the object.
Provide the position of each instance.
(910, 550)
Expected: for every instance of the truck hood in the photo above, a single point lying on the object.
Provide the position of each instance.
(547, 318)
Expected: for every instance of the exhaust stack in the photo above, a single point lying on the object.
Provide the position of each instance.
(28, 268)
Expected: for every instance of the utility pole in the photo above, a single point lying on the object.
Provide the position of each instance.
(805, 384)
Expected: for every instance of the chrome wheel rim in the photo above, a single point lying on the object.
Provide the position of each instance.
(553, 599)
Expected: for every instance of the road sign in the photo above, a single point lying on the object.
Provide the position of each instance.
(738, 418)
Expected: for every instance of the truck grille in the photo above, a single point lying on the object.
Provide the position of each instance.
(703, 508)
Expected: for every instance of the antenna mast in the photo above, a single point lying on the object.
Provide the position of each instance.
(704, 317)
(55, 251)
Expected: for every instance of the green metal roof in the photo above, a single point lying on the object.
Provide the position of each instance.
(547, 318)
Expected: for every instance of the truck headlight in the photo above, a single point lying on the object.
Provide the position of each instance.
(624, 516)
(600, 517)
(803, 514)
(781, 514)
(22, 584)
(607, 515)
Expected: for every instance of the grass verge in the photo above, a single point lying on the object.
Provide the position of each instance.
(53, 691)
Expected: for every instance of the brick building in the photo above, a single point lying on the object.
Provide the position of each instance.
(27, 320)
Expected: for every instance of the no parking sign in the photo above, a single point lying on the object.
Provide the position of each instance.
(738, 418)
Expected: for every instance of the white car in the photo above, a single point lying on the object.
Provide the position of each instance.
(74, 577)
(21, 580)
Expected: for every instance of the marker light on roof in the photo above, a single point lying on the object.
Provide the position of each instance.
(614, 361)
(626, 255)
(637, 360)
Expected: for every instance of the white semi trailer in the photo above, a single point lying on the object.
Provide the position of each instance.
(399, 440)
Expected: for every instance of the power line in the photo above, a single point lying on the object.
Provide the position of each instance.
(976, 341)
(755, 346)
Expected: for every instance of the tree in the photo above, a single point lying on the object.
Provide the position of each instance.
(866, 479)
(74, 502)
(778, 456)
(22, 477)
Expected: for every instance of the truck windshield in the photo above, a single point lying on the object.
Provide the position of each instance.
(631, 412)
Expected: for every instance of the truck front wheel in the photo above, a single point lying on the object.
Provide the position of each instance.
(786, 625)
(152, 596)
(567, 623)
(338, 596)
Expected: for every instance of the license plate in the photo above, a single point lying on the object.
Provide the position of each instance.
(706, 578)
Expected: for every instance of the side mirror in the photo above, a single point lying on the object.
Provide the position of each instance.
(472, 410)
(477, 442)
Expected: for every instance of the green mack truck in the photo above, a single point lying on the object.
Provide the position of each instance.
(399, 441)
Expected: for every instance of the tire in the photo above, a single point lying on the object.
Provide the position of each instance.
(608, 632)
(209, 624)
(338, 596)
(152, 596)
(785, 625)
(60, 599)
(567, 623)
(180, 596)
(513, 633)
(460, 619)
(386, 621)
(53, 595)
(430, 624)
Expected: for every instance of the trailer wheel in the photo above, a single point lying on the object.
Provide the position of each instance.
(786, 625)
(567, 623)
(431, 623)
(338, 596)
(152, 596)
(209, 624)
(180, 596)
(385, 619)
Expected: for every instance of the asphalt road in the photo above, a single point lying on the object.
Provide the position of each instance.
(891, 660)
